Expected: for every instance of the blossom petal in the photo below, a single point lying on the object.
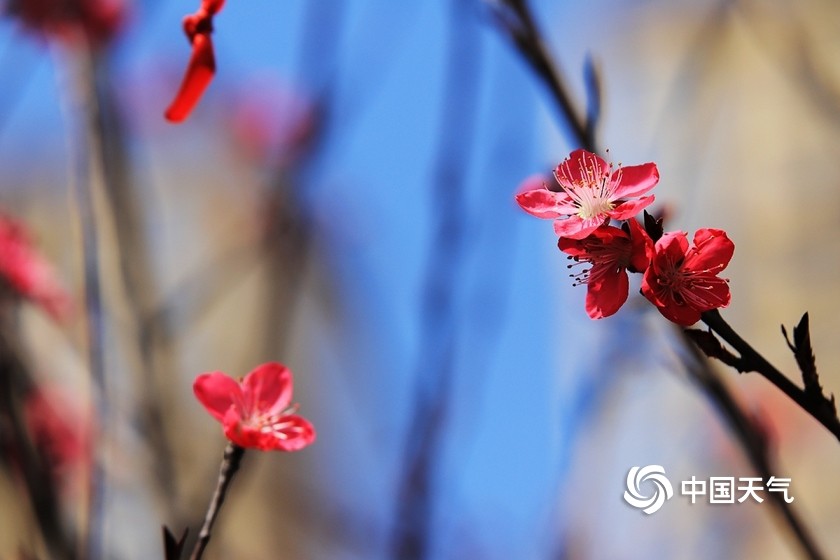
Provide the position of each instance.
(239, 432)
(217, 392)
(682, 282)
(291, 433)
(670, 251)
(603, 235)
(713, 253)
(288, 433)
(680, 313)
(532, 183)
(544, 203)
(200, 71)
(715, 291)
(651, 289)
(581, 167)
(268, 388)
(641, 247)
(575, 227)
(605, 297)
(676, 311)
(628, 209)
(635, 180)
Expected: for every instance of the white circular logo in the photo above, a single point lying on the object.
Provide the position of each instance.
(648, 504)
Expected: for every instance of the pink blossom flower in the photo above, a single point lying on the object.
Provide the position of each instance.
(28, 274)
(683, 281)
(256, 412)
(611, 252)
(591, 194)
(202, 65)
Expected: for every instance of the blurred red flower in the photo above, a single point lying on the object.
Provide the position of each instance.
(60, 434)
(256, 412)
(591, 194)
(611, 252)
(202, 65)
(98, 20)
(683, 281)
(271, 122)
(27, 274)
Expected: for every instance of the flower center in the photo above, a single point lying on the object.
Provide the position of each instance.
(277, 424)
(592, 206)
(604, 260)
(693, 288)
(280, 428)
(590, 188)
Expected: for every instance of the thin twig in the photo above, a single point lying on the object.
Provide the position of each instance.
(434, 368)
(751, 439)
(750, 360)
(230, 464)
(516, 18)
(287, 241)
(805, 359)
(80, 102)
(155, 339)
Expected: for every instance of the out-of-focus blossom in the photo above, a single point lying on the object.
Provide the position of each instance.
(258, 411)
(611, 252)
(683, 281)
(59, 431)
(202, 65)
(96, 20)
(272, 123)
(591, 194)
(27, 274)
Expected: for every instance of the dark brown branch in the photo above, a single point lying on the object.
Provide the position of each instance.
(804, 354)
(816, 405)
(711, 346)
(751, 438)
(594, 95)
(173, 548)
(515, 17)
(230, 464)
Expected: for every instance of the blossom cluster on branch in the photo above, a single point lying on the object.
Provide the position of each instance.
(679, 279)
